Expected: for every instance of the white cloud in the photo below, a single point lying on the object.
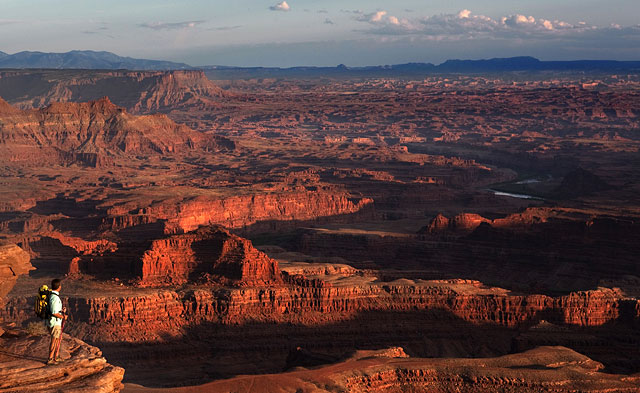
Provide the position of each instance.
(547, 24)
(518, 20)
(377, 16)
(171, 26)
(467, 25)
(282, 6)
(382, 19)
(464, 14)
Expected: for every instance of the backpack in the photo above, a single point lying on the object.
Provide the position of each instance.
(41, 307)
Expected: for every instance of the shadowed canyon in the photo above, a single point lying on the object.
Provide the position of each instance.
(455, 232)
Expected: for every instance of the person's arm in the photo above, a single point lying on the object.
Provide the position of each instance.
(57, 304)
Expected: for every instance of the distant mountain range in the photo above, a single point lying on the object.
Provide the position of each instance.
(512, 64)
(109, 61)
(85, 59)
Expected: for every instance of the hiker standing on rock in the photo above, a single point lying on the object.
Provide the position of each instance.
(54, 323)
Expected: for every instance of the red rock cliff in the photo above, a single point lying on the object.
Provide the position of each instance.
(147, 315)
(239, 211)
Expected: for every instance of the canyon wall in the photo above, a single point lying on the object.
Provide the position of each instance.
(147, 315)
(254, 329)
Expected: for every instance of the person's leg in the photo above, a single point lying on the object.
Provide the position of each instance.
(58, 334)
(52, 345)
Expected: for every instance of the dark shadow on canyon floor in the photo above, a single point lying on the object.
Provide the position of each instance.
(211, 351)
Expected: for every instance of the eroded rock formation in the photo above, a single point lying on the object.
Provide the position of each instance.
(90, 133)
(138, 91)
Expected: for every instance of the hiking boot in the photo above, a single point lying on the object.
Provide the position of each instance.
(58, 359)
(51, 362)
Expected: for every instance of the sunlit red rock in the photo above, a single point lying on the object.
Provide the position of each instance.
(207, 253)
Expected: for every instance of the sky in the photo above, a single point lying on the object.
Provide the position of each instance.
(325, 32)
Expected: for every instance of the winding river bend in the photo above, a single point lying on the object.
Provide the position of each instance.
(510, 194)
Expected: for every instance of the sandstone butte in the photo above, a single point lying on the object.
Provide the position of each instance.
(23, 355)
(210, 252)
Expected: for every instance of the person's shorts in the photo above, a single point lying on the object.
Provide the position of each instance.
(55, 331)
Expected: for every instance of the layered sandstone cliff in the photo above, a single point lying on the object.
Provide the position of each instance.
(90, 133)
(238, 211)
(208, 254)
(142, 314)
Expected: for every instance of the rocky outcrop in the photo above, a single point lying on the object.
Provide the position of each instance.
(209, 253)
(14, 262)
(23, 356)
(467, 222)
(7, 109)
(531, 371)
(439, 223)
(83, 369)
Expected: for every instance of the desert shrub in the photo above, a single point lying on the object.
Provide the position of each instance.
(36, 328)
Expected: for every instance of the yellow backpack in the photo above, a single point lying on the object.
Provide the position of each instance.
(41, 307)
